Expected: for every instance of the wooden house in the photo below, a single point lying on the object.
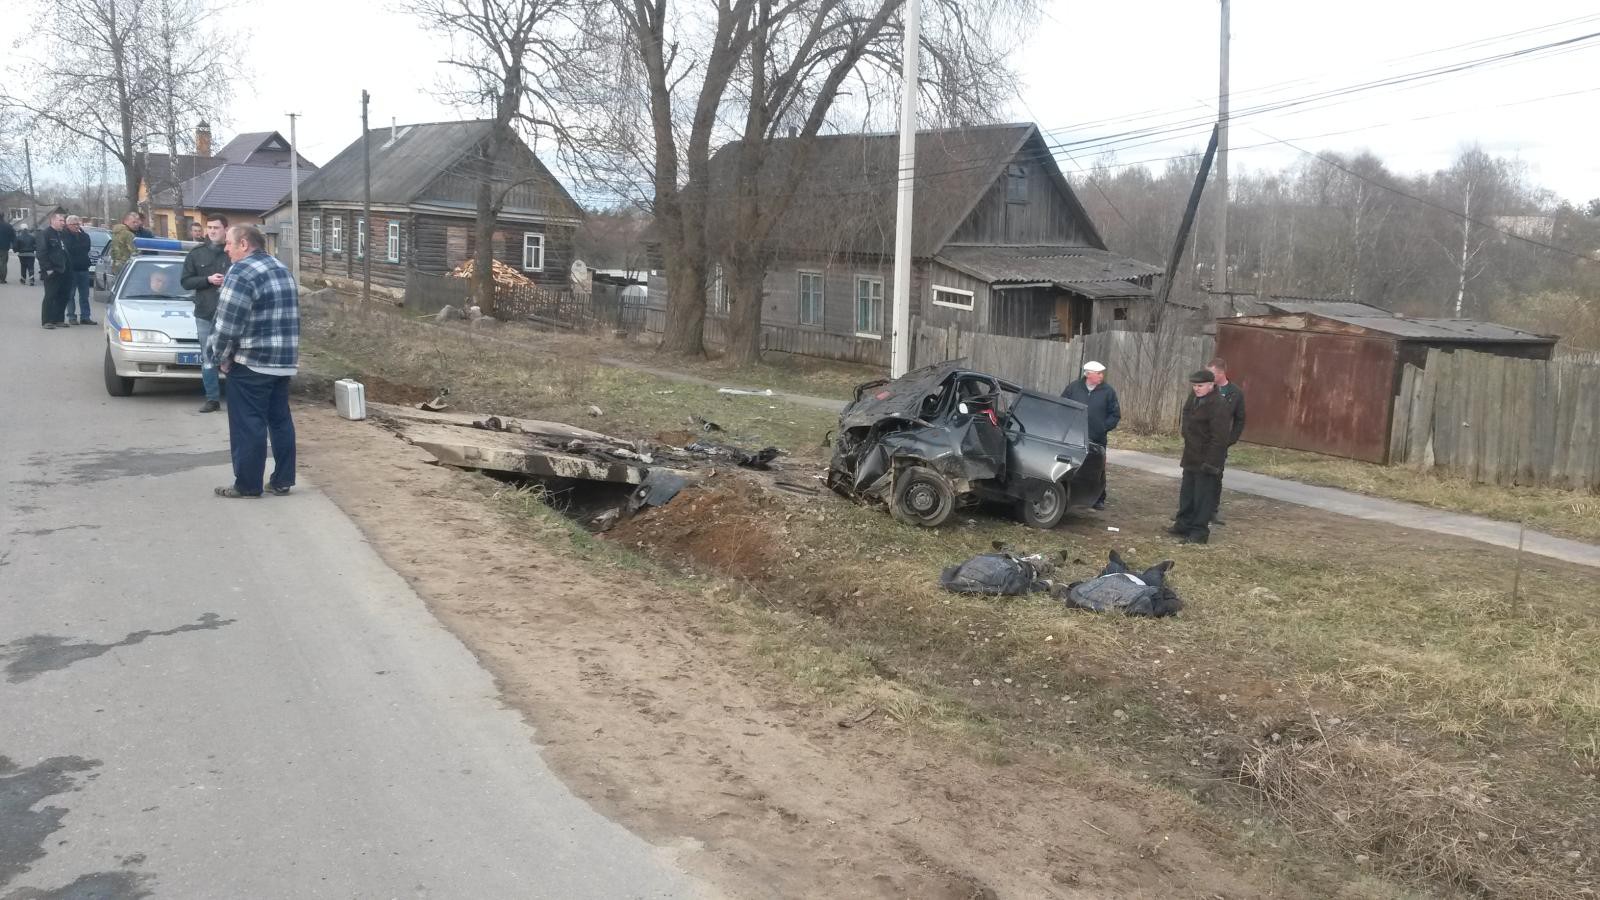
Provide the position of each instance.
(243, 181)
(1000, 243)
(424, 202)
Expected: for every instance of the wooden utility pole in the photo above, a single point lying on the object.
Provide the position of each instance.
(294, 196)
(1220, 281)
(366, 203)
(1187, 221)
(900, 324)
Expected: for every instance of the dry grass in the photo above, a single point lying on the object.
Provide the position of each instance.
(1575, 514)
(1448, 692)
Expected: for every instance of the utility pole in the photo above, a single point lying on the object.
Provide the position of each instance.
(900, 328)
(1220, 281)
(105, 188)
(366, 203)
(294, 197)
(33, 199)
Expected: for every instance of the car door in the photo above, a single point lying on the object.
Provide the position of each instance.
(1045, 439)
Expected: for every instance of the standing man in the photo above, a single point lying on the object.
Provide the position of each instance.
(79, 277)
(8, 236)
(1235, 399)
(53, 262)
(1207, 424)
(122, 240)
(26, 244)
(197, 232)
(203, 271)
(1104, 410)
(256, 338)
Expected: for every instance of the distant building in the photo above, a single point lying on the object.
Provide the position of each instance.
(243, 180)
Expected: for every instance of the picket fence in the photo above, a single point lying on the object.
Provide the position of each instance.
(1501, 421)
(1148, 369)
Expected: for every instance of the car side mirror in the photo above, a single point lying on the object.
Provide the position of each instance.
(962, 408)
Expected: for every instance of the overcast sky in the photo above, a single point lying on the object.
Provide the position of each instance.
(1088, 69)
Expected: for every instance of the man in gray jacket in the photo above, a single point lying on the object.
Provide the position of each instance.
(203, 272)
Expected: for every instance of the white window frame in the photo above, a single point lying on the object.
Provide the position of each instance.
(869, 279)
(393, 248)
(361, 238)
(800, 297)
(336, 234)
(316, 234)
(938, 289)
(17, 213)
(537, 265)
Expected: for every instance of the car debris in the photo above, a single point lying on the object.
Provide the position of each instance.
(742, 392)
(761, 459)
(1002, 573)
(946, 436)
(704, 424)
(1117, 589)
(438, 403)
(657, 489)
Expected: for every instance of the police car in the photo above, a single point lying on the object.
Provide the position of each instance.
(149, 319)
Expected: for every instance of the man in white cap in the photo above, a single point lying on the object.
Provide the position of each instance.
(1104, 412)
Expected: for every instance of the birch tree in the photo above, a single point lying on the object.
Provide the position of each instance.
(191, 71)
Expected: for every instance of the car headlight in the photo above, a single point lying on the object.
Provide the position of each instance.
(135, 336)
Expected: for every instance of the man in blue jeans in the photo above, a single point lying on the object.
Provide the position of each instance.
(256, 341)
(81, 279)
(203, 271)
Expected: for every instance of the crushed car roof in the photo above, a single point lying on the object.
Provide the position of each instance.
(900, 398)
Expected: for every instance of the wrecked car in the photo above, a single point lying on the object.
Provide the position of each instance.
(944, 437)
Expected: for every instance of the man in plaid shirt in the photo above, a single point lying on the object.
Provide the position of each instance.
(256, 340)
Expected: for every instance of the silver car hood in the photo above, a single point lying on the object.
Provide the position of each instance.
(174, 317)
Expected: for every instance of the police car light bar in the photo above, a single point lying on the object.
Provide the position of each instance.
(168, 244)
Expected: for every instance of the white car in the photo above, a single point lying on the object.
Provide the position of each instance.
(149, 322)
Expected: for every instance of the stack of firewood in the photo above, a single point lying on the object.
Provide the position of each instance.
(503, 274)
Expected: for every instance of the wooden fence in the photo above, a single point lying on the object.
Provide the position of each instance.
(1148, 369)
(1499, 420)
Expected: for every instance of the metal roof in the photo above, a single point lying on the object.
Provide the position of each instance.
(259, 148)
(1324, 307)
(239, 187)
(1096, 274)
(1401, 328)
(846, 201)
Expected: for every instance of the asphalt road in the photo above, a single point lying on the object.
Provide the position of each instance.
(211, 698)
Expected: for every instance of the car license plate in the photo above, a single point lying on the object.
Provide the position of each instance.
(188, 359)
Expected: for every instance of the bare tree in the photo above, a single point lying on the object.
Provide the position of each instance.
(508, 55)
(87, 87)
(191, 71)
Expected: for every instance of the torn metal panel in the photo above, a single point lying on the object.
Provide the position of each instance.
(552, 430)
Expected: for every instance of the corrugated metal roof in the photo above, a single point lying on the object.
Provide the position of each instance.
(236, 187)
(846, 201)
(1323, 307)
(1442, 329)
(259, 148)
(1094, 273)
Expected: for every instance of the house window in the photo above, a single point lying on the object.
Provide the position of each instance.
(953, 297)
(869, 306)
(16, 213)
(1016, 184)
(719, 292)
(336, 235)
(316, 234)
(161, 225)
(361, 238)
(810, 298)
(532, 252)
(394, 242)
(1120, 314)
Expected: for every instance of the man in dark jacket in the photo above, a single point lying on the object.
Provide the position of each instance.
(1104, 410)
(1207, 425)
(26, 244)
(203, 272)
(53, 268)
(79, 277)
(1235, 398)
(8, 236)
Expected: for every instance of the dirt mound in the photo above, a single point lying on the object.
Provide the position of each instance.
(675, 438)
(725, 523)
(382, 390)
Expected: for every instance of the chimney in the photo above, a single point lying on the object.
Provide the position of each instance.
(202, 139)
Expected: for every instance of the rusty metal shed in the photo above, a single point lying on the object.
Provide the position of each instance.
(1327, 383)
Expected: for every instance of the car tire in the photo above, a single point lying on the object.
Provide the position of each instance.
(922, 497)
(116, 385)
(1043, 504)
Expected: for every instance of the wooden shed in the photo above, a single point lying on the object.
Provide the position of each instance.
(1327, 383)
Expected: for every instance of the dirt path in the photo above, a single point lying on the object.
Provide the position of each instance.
(652, 712)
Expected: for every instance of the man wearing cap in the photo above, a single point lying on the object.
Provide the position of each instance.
(1104, 411)
(1207, 429)
(1230, 392)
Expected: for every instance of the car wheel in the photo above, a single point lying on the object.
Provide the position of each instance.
(922, 497)
(116, 385)
(1043, 504)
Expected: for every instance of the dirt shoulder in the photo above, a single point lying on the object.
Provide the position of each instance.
(646, 697)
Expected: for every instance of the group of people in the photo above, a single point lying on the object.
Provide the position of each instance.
(1213, 421)
(62, 251)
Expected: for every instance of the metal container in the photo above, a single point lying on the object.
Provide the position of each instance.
(350, 398)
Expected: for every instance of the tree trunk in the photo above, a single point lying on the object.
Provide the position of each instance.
(685, 249)
(744, 279)
(483, 252)
(1466, 241)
